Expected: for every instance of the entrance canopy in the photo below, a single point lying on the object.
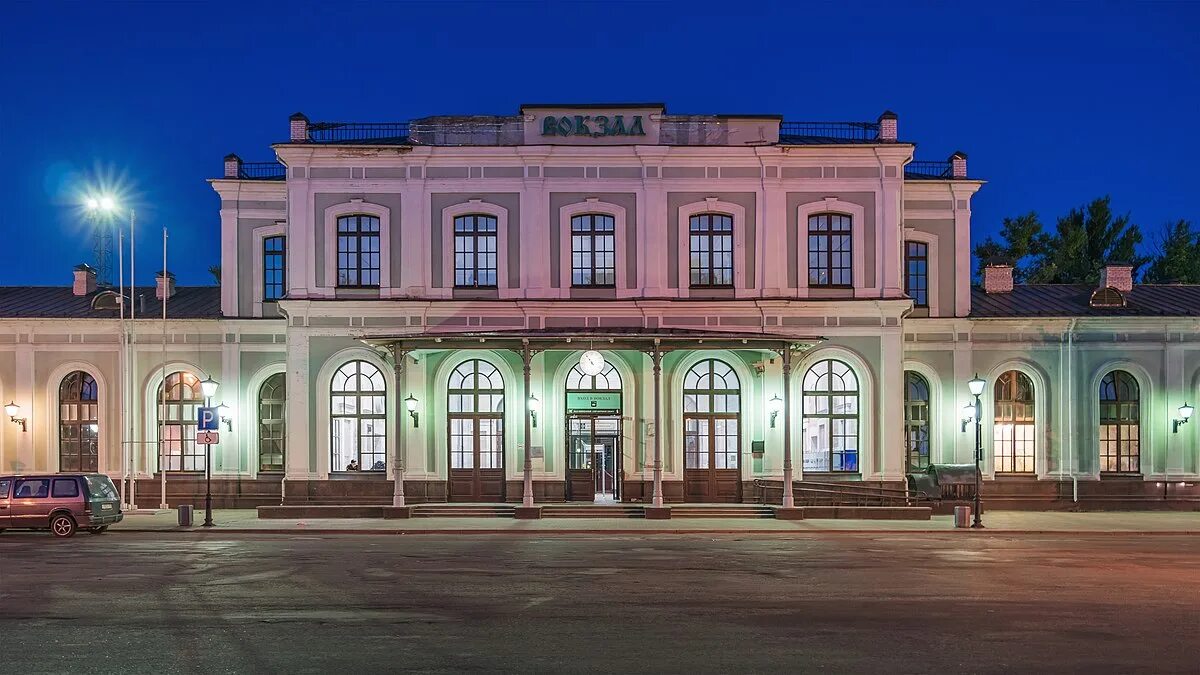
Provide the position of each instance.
(666, 339)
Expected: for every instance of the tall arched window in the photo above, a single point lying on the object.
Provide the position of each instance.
(916, 421)
(475, 402)
(358, 415)
(711, 250)
(475, 251)
(593, 261)
(358, 251)
(1013, 424)
(177, 422)
(607, 380)
(830, 417)
(1120, 423)
(712, 404)
(829, 250)
(78, 423)
(272, 406)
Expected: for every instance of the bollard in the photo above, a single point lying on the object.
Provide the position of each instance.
(185, 515)
(962, 516)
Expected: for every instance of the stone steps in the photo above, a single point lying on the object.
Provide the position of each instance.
(730, 511)
(462, 511)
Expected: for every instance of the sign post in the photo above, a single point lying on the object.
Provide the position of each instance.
(208, 420)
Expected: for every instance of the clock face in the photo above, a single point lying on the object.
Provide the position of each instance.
(591, 362)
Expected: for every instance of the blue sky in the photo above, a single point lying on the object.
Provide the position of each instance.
(1054, 103)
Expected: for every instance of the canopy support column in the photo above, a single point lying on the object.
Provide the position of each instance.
(527, 493)
(399, 354)
(656, 498)
(789, 499)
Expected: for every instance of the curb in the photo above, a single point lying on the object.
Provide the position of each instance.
(541, 532)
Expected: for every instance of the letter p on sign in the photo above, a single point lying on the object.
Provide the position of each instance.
(208, 419)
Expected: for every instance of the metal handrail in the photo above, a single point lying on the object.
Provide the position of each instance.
(856, 493)
(929, 169)
(262, 171)
(334, 132)
(843, 131)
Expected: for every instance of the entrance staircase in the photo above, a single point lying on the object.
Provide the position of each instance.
(721, 511)
(463, 511)
(585, 510)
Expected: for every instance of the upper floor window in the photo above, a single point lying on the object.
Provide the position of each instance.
(475, 251)
(916, 272)
(592, 243)
(829, 250)
(274, 278)
(358, 250)
(711, 250)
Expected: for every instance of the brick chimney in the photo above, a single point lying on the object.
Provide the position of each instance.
(997, 277)
(298, 128)
(233, 166)
(1118, 276)
(958, 165)
(164, 285)
(85, 280)
(888, 127)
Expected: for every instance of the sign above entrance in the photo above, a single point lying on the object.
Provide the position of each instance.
(578, 401)
(594, 126)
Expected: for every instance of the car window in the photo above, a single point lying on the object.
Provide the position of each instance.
(65, 487)
(101, 487)
(4, 488)
(32, 488)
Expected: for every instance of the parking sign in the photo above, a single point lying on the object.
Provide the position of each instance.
(207, 419)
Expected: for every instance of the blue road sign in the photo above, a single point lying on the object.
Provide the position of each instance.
(208, 419)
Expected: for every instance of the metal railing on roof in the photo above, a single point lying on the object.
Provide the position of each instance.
(929, 170)
(262, 171)
(832, 131)
(346, 132)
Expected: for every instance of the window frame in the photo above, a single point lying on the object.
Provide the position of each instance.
(74, 406)
(592, 235)
(709, 424)
(493, 418)
(1021, 415)
(358, 395)
(475, 235)
(827, 236)
(909, 259)
(829, 394)
(278, 383)
(710, 234)
(911, 423)
(358, 236)
(1126, 423)
(268, 256)
(183, 420)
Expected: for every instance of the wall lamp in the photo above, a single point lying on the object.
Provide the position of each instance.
(12, 410)
(1185, 414)
(223, 413)
(775, 405)
(968, 416)
(411, 404)
(534, 406)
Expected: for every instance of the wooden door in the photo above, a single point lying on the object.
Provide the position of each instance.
(712, 433)
(476, 433)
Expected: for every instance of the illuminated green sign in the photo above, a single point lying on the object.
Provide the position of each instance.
(587, 125)
(593, 400)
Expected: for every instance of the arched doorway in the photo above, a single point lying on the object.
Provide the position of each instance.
(593, 405)
(476, 431)
(712, 433)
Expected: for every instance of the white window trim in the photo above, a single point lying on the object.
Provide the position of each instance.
(713, 205)
(475, 206)
(941, 410)
(352, 207)
(1041, 408)
(868, 409)
(248, 420)
(261, 233)
(930, 240)
(1147, 429)
(324, 413)
(592, 205)
(53, 383)
(858, 268)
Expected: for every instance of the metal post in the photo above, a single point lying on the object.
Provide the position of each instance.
(399, 355)
(162, 411)
(130, 341)
(126, 479)
(527, 493)
(208, 521)
(656, 497)
(789, 499)
(978, 456)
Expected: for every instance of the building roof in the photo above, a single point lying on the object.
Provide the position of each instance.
(1073, 300)
(59, 302)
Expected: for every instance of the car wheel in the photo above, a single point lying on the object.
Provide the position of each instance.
(98, 530)
(62, 526)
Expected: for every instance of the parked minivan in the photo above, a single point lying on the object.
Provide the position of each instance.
(59, 502)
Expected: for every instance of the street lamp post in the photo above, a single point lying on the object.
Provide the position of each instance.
(209, 388)
(976, 386)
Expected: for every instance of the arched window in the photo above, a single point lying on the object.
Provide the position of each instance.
(358, 414)
(712, 404)
(272, 406)
(475, 402)
(1013, 424)
(830, 417)
(78, 423)
(916, 421)
(475, 251)
(711, 250)
(1120, 423)
(608, 379)
(593, 262)
(358, 251)
(177, 422)
(829, 250)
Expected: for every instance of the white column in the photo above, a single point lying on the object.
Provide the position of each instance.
(400, 357)
(230, 459)
(527, 477)
(890, 435)
(298, 414)
(789, 500)
(27, 459)
(657, 494)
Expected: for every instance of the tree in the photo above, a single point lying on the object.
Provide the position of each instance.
(1178, 258)
(215, 271)
(1020, 238)
(1084, 241)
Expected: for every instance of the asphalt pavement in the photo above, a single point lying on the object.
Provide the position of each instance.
(893, 602)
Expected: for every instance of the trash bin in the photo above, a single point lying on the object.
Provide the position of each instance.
(962, 516)
(185, 515)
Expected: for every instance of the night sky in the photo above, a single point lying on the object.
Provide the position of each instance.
(1054, 103)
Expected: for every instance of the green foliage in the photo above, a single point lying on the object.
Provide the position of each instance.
(1178, 258)
(1020, 238)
